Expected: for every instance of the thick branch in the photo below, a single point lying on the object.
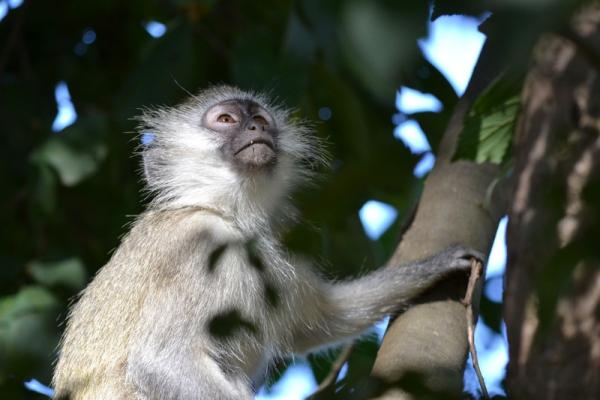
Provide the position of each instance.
(430, 338)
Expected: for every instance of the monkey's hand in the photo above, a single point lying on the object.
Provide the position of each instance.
(454, 258)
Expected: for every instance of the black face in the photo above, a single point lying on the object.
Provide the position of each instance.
(250, 132)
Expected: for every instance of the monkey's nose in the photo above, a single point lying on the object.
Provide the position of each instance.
(254, 126)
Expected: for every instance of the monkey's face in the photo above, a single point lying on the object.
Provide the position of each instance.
(248, 133)
(230, 150)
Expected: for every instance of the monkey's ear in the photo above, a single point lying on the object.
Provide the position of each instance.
(148, 156)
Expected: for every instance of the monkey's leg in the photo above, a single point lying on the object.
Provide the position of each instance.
(346, 309)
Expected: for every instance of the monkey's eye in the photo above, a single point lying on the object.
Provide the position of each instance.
(260, 120)
(226, 119)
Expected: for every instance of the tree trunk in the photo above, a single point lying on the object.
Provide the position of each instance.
(430, 338)
(552, 297)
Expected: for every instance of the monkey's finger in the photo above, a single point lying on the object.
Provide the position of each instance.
(467, 253)
(461, 263)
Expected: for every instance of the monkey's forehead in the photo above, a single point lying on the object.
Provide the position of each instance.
(214, 95)
(223, 93)
(245, 104)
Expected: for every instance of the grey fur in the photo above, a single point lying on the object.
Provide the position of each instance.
(199, 296)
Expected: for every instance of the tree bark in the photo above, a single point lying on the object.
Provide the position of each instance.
(430, 339)
(552, 296)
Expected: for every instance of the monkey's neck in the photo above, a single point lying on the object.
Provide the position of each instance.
(249, 226)
(209, 210)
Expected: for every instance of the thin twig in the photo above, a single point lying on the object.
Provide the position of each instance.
(336, 367)
(476, 271)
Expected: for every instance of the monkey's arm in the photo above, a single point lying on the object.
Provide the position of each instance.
(346, 309)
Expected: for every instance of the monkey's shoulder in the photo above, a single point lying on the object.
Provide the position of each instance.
(182, 221)
(156, 230)
(168, 240)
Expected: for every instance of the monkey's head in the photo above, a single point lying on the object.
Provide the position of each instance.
(227, 150)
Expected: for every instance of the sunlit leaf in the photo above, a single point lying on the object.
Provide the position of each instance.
(488, 128)
(69, 272)
(378, 40)
(43, 187)
(29, 299)
(77, 152)
(28, 332)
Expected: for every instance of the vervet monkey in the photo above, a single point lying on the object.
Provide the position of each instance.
(200, 296)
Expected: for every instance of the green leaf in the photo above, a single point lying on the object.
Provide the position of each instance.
(69, 272)
(489, 126)
(29, 299)
(503, 88)
(43, 184)
(378, 39)
(28, 333)
(77, 152)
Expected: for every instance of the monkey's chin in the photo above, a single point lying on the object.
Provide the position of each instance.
(256, 157)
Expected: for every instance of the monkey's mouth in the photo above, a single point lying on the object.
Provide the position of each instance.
(255, 142)
(256, 152)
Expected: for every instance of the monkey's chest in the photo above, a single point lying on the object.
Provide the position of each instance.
(245, 315)
(244, 302)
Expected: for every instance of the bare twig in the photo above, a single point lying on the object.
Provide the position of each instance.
(476, 271)
(336, 367)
